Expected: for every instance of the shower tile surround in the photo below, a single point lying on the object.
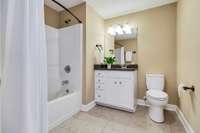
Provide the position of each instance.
(59, 54)
(106, 120)
(52, 61)
(64, 48)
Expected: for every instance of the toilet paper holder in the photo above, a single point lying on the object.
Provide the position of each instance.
(189, 88)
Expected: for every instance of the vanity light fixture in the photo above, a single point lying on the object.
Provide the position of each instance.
(127, 29)
(111, 31)
(120, 30)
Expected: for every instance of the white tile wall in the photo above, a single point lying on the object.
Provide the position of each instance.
(53, 61)
(70, 45)
(64, 47)
(53, 55)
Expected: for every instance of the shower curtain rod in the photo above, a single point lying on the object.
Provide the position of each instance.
(67, 10)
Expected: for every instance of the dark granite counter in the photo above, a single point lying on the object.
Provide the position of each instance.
(130, 67)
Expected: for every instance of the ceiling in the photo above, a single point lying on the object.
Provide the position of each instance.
(66, 3)
(112, 8)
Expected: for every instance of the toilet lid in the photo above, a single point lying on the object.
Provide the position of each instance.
(157, 94)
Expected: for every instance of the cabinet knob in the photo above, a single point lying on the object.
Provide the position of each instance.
(115, 82)
(120, 82)
(98, 96)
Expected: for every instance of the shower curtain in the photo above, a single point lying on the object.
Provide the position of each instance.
(0, 57)
(24, 73)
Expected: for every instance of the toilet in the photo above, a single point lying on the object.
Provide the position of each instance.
(156, 97)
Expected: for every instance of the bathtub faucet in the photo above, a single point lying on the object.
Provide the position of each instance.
(65, 82)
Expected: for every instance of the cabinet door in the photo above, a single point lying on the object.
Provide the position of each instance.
(125, 94)
(111, 86)
(115, 88)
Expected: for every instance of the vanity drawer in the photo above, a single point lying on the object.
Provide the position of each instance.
(99, 96)
(99, 74)
(99, 81)
(123, 75)
(99, 87)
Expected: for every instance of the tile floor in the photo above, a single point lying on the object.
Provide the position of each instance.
(106, 120)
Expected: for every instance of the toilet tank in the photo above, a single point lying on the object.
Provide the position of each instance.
(155, 81)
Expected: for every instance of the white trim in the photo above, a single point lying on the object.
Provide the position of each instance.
(141, 102)
(184, 121)
(61, 120)
(175, 108)
(89, 106)
(169, 107)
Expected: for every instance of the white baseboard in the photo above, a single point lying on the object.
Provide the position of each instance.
(141, 102)
(184, 121)
(169, 107)
(175, 108)
(89, 106)
(61, 120)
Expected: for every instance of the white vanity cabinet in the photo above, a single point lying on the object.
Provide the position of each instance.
(116, 89)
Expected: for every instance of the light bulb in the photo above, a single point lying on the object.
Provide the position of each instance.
(111, 31)
(119, 30)
(127, 29)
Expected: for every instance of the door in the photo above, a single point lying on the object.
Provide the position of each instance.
(112, 91)
(125, 94)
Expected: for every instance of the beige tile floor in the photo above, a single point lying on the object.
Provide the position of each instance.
(106, 120)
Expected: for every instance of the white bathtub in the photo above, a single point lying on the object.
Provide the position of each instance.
(63, 108)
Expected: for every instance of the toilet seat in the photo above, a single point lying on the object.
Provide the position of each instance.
(157, 94)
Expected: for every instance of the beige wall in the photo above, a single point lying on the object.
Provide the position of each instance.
(156, 45)
(188, 58)
(51, 17)
(108, 44)
(94, 35)
(79, 11)
(57, 19)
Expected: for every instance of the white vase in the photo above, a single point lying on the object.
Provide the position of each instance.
(109, 66)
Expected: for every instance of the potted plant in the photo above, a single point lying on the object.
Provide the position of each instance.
(109, 61)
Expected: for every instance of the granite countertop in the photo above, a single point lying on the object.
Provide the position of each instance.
(129, 67)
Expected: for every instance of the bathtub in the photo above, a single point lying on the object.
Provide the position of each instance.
(63, 107)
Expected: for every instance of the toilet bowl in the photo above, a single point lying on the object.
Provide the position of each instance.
(157, 104)
(156, 97)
